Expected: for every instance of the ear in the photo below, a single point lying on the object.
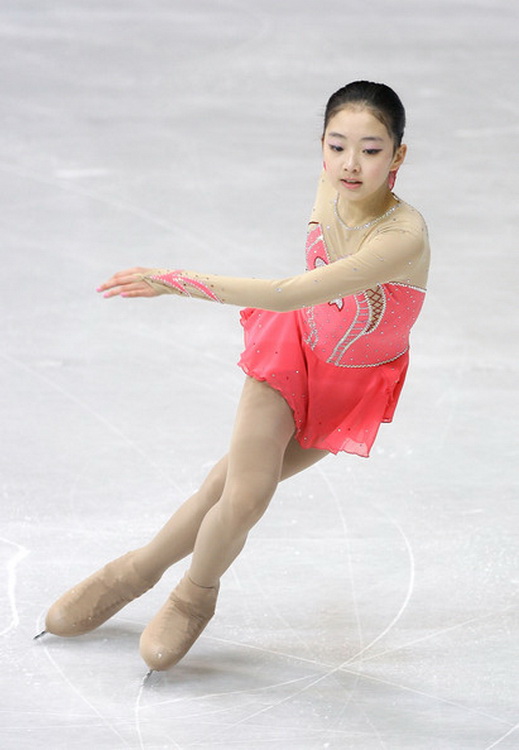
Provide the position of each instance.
(399, 157)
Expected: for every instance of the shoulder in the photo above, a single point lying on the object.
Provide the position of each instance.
(405, 220)
(402, 240)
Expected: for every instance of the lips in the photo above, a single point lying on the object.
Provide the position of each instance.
(351, 183)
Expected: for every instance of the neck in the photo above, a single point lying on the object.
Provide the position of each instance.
(356, 213)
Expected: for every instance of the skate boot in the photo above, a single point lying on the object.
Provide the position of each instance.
(100, 596)
(177, 625)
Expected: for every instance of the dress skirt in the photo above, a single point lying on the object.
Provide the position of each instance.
(335, 408)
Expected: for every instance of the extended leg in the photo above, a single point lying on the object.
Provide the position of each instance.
(176, 539)
(100, 596)
(93, 601)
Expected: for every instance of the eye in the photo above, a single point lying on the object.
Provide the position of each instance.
(335, 148)
(372, 151)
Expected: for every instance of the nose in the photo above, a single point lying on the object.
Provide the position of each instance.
(350, 162)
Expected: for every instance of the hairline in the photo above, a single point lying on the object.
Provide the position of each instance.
(360, 105)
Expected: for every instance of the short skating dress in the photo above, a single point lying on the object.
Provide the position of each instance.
(333, 340)
(340, 365)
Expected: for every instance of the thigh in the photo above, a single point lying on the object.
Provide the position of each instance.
(262, 430)
(297, 458)
(263, 416)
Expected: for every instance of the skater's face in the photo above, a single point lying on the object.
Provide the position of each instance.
(359, 153)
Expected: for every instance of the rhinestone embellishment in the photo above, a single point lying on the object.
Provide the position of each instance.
(368, 223)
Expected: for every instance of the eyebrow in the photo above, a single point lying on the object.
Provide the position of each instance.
(366, 138)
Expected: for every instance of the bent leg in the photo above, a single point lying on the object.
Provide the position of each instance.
(176, 539)
(263, 429)
(261, 452)
(93, 601)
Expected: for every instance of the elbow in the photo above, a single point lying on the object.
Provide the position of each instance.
(286, 304)
(285, 298)
(281, 306)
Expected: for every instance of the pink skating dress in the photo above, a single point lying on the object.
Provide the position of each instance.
(339, 365)
(334, 340)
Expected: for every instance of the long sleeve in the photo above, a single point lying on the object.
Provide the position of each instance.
(390, 255)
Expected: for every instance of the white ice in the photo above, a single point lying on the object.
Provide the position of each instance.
(374, 607)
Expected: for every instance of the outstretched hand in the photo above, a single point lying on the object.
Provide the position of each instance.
(130, 283)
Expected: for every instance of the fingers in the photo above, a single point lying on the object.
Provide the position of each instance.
(128, 283)
(121, 278)
(136, 289)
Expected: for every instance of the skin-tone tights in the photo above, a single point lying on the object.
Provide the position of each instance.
(215, 521)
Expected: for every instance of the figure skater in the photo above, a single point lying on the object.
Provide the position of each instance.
(326, 354)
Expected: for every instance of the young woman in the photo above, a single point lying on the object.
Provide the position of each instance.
(326, 354)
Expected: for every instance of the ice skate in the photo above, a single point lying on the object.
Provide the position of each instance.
(177, 625)
(92, 602)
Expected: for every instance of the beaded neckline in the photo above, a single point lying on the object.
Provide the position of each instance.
(368, 223)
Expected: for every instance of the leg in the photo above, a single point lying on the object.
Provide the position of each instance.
(297, 459)
(177, 537)
(262, 434)
(263, 429)
(89, 604)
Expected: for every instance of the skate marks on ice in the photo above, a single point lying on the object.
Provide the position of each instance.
(222, 716)
(386, 672)
(227, 687)
(12, 555)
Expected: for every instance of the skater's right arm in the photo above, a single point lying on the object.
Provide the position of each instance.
(398, 256)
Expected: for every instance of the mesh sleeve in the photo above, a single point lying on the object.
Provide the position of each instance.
(393, 255)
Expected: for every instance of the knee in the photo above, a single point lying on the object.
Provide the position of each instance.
(211, 489)
(242, 507)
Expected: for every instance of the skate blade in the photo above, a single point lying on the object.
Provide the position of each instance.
(40, 635)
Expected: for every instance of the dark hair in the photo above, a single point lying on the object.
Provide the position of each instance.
(384, 104)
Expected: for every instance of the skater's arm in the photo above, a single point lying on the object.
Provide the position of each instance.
(391, 256)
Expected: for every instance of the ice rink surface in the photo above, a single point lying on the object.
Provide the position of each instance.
(374, 607)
